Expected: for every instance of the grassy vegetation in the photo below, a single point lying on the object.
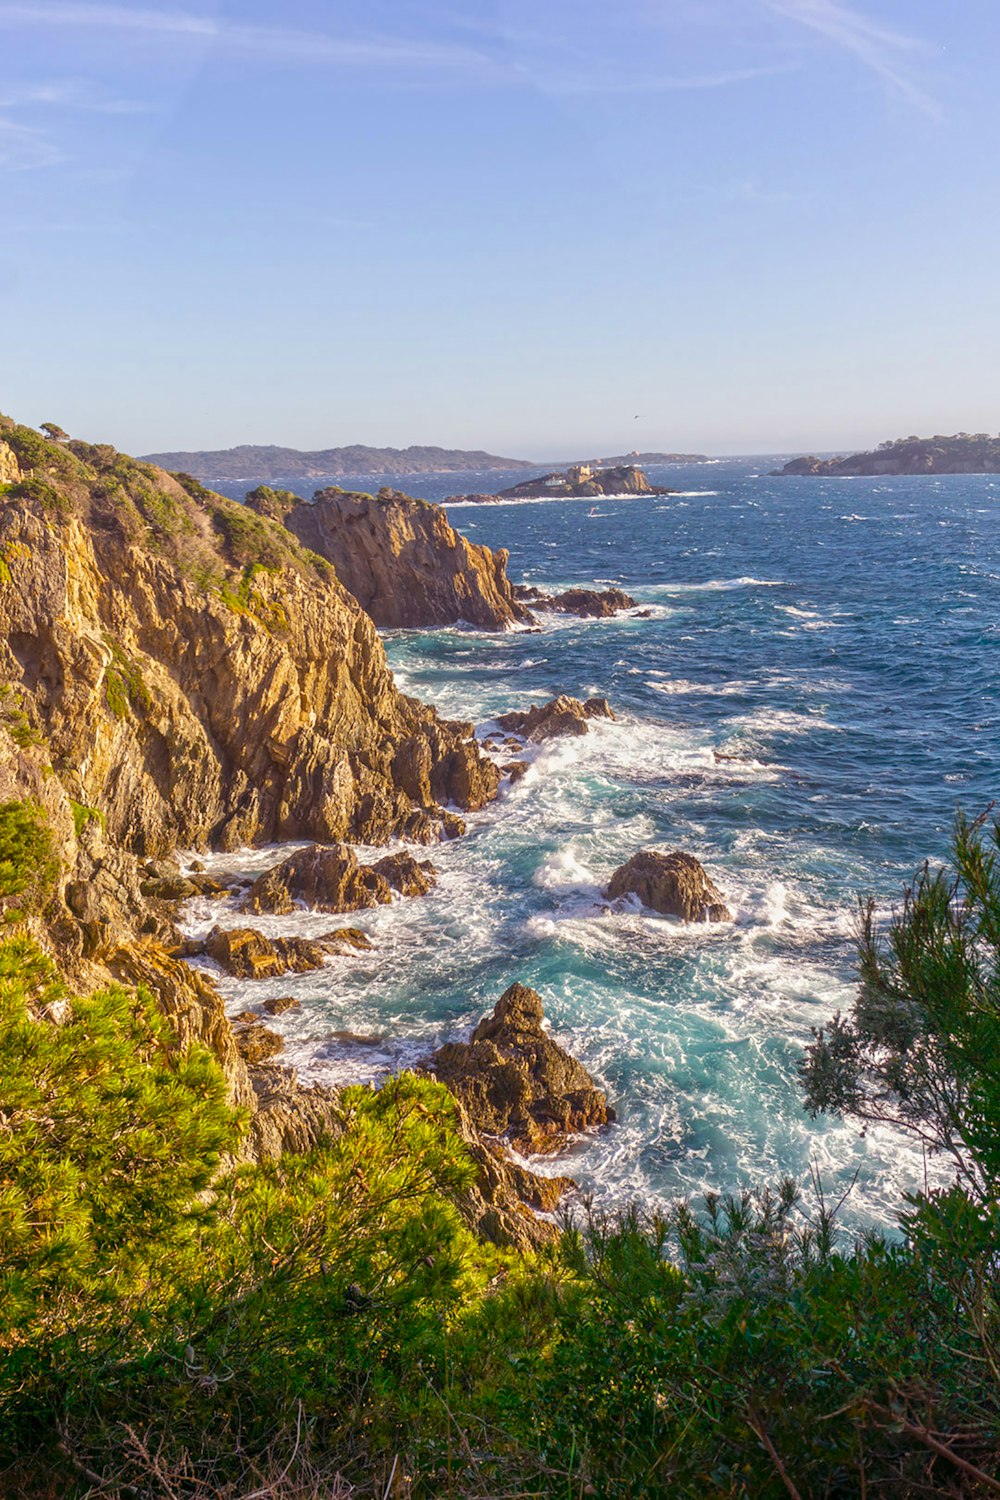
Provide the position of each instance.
(327, 1325)
(125, 689)
(29, 867)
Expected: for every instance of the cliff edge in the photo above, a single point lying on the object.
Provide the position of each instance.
(400, 558)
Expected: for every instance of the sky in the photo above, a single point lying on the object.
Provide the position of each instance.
(547, 228)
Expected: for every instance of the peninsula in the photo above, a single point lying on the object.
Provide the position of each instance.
(963, 453)
(265, 462)
(579, 482)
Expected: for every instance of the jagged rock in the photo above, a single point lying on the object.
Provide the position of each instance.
(515, 1081)
(249, 955)
(190, 700)
(674, 884)
(331, 879)
(248, 1017)
(585, 602)
(323, 878)
(408, 876)
(346, 937)
(288, 1117)
(358, 1038)
(170, 888)
(279, 1005)
(404, 563)
(258, 1043)
(514, 770)
(562, 715)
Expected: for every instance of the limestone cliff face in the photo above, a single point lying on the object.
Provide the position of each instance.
(404, 563)
(200, 678)
(10, 471)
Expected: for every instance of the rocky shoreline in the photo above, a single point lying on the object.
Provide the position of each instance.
(182, 672)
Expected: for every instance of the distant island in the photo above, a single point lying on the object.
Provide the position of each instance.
(964, 453)
(650, 458)
(578, 482)
(253, 462)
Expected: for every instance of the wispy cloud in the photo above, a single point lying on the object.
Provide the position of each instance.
(275, 42)
(886, 52)
(22, 148)
(668, 83)
(69, 94)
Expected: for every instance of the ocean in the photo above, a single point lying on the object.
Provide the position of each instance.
(811, 695)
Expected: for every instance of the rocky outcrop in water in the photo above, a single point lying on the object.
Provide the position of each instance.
(588, 603)
(674, 884)
(247, 954)
(198, 676)
(560, 716)
(331, 879)
(514, 1081)
(580, 481)
(403, 561)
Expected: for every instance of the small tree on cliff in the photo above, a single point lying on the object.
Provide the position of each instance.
(920, 1049)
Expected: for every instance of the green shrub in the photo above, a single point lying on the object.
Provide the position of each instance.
(28, 864)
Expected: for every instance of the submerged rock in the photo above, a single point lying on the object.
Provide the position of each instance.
(675, 884)
(562, 715)
(329, 878)
(514, 1081)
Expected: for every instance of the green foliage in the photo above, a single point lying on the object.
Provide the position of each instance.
(185, 1328)
(245, 599)
(194, 487)
(82, 815)
(270, 502)
(35, 488)
(31, 449)
(29, 868)
(125, 689)
(14, 718)
(921, 1047)
(250, 538)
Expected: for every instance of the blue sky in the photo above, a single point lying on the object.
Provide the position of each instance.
(754, 225)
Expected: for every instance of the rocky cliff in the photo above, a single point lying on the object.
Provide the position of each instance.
(198, 675)
(402, 560)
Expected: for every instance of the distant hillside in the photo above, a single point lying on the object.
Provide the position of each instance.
(964, 453)
(651, 458)
(254, 462)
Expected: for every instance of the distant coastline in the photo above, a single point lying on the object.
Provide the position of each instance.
(253, 463)
(962, 453)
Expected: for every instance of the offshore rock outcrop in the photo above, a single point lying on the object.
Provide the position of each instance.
(580, 481)
(560, 716)
(331, 879)
(588, 603)
(198, 676)
(675, 885)
(403, 561)
(514, 1081)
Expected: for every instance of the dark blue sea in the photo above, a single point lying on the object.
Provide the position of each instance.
(813, 693)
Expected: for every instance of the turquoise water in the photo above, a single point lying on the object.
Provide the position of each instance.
(835, 643)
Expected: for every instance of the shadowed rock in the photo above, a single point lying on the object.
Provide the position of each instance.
(560, 716)
(258, 1043)
(585, 602)
(674, 884)
(514, 1081)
